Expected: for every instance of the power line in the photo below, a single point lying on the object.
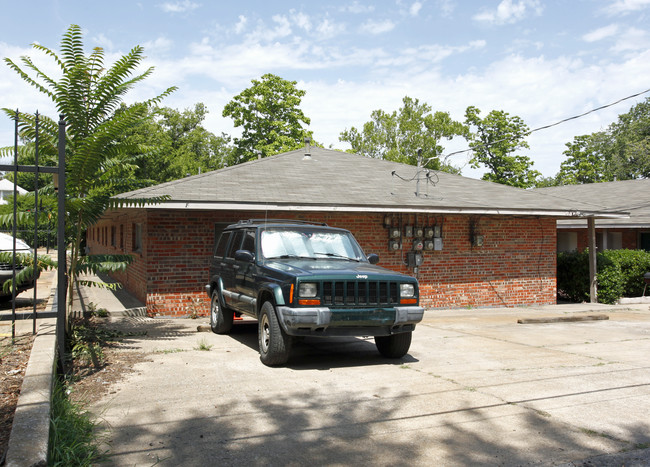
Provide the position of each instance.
(545, 127)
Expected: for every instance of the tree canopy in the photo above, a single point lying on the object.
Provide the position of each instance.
(270, 117)
(179, 145)
(621, 152)
(398, 136)
(494, 141)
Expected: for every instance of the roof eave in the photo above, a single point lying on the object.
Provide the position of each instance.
(226, 206)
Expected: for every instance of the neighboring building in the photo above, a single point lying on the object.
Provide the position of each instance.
(632, 233)
(483, 244)
(7, 190)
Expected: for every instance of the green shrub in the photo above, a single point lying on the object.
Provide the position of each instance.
(573, 275)
(620, 274)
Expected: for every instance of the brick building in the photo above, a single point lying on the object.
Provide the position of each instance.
(482, 244)
(631, 233)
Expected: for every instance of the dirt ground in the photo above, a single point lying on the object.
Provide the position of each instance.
(89, 380)
(13, 361)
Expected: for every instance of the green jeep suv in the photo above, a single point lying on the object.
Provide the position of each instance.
(307, 279)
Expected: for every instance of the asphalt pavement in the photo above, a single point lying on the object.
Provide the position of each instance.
(477, 388)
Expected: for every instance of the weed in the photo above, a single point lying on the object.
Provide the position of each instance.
(73, 434)
(405, 367)
(203, 345)
(167, 351)
(101, 313)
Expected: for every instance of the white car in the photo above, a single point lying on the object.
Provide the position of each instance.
(6, 271)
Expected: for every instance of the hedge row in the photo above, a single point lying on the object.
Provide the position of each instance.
(620, 274)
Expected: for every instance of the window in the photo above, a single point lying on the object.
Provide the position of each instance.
(567, 241)
(121, 236)
(218, 229)
(249, 241)
(113, 235)
(609, 240)
(137, 238)
(234, 244)
(644, 241)
(220, 250)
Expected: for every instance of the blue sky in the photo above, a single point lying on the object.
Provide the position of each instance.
(541, 60)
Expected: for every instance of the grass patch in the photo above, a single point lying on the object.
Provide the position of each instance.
(73, 432)
(166, 351)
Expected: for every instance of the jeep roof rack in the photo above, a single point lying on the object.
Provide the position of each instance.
(280, 221)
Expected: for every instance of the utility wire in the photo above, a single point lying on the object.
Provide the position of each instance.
(545, 127)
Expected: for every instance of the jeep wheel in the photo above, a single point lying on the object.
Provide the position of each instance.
(395, 345)
(220, 316)
(274, 343)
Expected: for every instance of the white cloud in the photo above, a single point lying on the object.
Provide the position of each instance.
(301, 20)
(415, 8)
(327, 29)
(158, 45)
(601, 33)
(626, 6)
(357, 8)
(241, 24)
(377, 27)
(447, 7)
(632, 39)
(103, 41)
(179, 7)
(509, 11)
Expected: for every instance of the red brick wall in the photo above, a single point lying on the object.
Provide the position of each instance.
(515, 266)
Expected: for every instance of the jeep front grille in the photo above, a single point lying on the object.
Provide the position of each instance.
(361, 294)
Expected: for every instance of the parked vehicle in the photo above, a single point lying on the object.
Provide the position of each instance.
(308, 279)
(7, 271)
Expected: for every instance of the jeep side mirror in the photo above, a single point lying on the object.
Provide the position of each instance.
(244, 255)
(373, 258)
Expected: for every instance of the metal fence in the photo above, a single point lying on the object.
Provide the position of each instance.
(59, 172)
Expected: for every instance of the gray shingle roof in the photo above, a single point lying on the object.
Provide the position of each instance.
(338, 181)
(632, 196)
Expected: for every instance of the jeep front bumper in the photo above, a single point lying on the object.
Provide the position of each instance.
(325, 321)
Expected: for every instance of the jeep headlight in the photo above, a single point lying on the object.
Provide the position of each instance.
(307, 289)
(406, 290)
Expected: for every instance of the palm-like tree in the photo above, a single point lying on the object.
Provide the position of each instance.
(99, 163)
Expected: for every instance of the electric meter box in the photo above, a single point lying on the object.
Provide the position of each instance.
(414, 259)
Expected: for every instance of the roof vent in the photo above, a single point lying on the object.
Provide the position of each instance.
(307, 156)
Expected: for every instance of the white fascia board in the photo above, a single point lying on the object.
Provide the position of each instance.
(385, 209)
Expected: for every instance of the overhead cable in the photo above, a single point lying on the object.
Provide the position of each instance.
(546, 126)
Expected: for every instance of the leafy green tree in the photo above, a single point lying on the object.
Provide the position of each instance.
(621, 152)
(270, 116)
(588, 160)
(178, 144)
(399, 136)
(99, 163)
(630, 140)
(494, 140)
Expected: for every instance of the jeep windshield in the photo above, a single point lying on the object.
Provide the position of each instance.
(309, 243)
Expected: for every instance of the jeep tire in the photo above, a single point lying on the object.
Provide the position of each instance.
(220, 316)
(274, 343)
(395, 345)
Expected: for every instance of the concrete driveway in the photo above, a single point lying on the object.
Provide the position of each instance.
(476, 389)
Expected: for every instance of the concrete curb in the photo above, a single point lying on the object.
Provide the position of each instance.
(563, 319)
(30, 431)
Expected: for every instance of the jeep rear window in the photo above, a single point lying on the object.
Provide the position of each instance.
(221, 246)
(235, 243)
(309, 243)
